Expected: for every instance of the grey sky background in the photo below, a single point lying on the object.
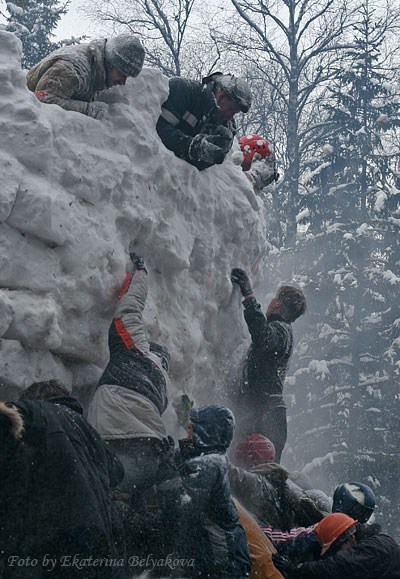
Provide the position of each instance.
(74, 23)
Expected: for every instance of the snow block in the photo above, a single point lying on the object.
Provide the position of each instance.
(42, 211)
(76, 193)
(10, 177)
(20, 366)
(33, 320)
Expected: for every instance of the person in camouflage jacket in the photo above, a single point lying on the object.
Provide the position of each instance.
(71, 76)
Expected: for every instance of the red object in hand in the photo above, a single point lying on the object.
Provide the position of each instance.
(252, 145)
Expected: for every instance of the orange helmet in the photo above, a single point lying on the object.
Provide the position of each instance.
(331, 528)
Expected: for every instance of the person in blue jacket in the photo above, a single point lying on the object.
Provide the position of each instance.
(210, 536)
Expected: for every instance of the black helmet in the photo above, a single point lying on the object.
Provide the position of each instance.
(354, 499)
(234, 86)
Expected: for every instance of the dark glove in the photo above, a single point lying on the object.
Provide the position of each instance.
(286, 566)
(169, 481)
(167, 450)
(222, 137)
(240, 277)
(138, 262)
(202, 149)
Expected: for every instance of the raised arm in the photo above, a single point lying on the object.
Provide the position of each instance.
(128, 320)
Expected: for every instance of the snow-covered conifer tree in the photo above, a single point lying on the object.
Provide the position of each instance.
(34, 21)
(345, 383)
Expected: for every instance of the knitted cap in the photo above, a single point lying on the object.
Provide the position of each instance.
(125, 53)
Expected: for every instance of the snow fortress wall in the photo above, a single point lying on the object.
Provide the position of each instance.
(74, 192)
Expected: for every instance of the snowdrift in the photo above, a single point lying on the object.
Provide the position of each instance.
(75, 192)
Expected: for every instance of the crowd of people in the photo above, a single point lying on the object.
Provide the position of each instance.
(112, 495)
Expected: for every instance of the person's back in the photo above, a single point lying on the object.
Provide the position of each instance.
(262, 486)
(210, 533)
(62, 483)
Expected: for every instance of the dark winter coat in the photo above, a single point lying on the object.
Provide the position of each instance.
(56, 485)
(261, 388)
(210, 532)
(187, 112)
(265, 493)
(375, 556)
(70, 76)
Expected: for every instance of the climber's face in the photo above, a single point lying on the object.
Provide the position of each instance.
(115, 77)
(227, 108)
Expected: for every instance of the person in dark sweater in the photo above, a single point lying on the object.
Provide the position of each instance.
(258, 400)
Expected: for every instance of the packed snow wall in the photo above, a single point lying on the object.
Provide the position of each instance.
(74, 193)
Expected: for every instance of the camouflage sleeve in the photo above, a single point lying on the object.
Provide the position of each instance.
(58, 85)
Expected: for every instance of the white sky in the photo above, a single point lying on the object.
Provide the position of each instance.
(73, 23)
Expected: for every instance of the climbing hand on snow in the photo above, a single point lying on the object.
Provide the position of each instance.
(203, 149)
(138, 262)
(240, 277)
(287, 567)
(97, 110)
(222, 137)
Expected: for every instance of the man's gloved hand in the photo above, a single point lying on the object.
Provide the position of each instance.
(202, 149)
(97, 110)
(240, 277)
(286, 566)
(222, 137)
(168, 476)
(138, 262)
(262, 173)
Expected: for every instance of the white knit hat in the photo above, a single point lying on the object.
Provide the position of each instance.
(125, 53)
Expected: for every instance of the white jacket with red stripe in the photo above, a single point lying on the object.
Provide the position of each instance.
(132, 393)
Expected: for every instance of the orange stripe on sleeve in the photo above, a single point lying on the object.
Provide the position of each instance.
(123, 333)
(125, 285)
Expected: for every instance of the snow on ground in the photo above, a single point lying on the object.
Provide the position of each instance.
(75, 191)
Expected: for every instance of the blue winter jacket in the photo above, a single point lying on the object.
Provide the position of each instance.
(211, 533)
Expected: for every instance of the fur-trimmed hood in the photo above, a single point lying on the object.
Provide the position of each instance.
(11, 422)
